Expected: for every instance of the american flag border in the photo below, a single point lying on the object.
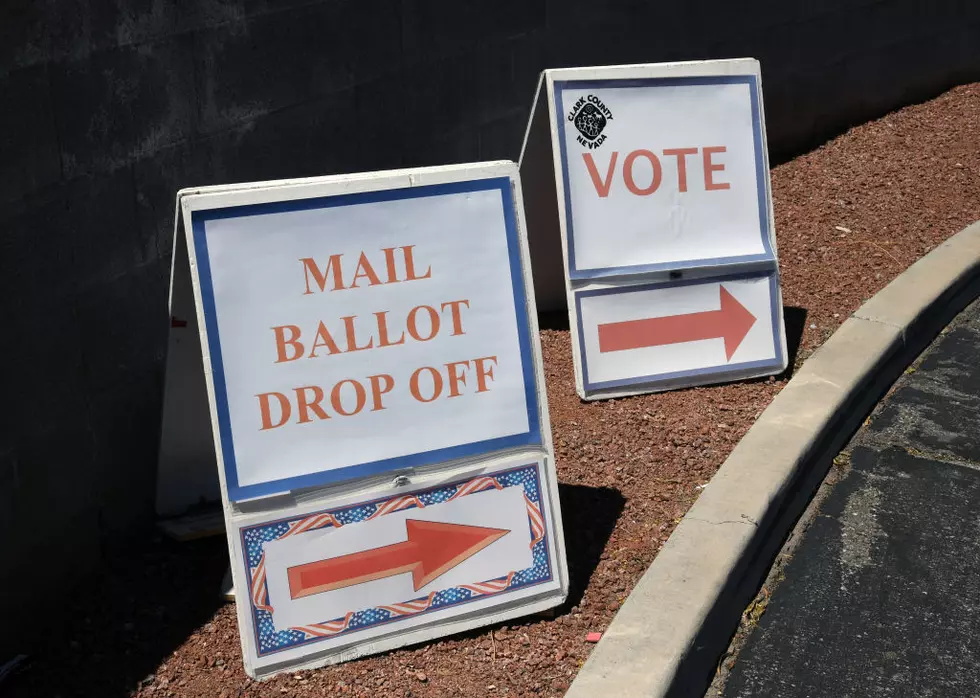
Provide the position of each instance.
(269, 643)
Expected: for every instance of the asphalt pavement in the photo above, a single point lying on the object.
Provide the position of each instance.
(880, 596)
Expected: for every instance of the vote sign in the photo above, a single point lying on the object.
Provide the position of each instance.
(376, 392)
(661, 178)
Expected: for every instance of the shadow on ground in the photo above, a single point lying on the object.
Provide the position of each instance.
(553, 320)
(110, 633)
(794, 320)
(589, 515)
(116, 630)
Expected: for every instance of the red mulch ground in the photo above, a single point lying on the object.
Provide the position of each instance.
(849, 217)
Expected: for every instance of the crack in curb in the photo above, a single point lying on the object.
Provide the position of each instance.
(747, 521)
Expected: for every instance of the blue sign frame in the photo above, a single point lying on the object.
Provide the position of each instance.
(577, 274)
(238, 492)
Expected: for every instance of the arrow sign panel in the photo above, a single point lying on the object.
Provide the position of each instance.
(731, 323)
(380, 561)
(666, 335)
(432, 549)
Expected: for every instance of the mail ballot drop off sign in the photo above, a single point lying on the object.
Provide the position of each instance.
(367, 339)
(661, 174)
(356, 334)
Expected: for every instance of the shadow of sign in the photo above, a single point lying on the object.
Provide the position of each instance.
(114, 631)
(589, 515)
(795, 322)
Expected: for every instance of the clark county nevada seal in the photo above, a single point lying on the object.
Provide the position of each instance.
(590, 117)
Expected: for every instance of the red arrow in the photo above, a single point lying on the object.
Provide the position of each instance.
(731, 323)
(432, 549)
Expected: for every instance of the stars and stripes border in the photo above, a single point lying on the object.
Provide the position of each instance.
(494, 586)
(300, 635)
(333, 627)
(409, 608)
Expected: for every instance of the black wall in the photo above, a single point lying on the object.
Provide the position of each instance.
(108, 107)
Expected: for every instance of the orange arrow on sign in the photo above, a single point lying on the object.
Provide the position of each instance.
(731, 323)
(432, 549)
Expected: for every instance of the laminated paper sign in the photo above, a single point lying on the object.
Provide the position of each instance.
(376, 394)
(649, 186)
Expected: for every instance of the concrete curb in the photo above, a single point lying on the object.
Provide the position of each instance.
(667, 638)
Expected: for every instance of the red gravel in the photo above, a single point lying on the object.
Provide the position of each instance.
(849, 217)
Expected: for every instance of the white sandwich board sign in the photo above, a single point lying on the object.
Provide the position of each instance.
(653, 181)
(374, 380)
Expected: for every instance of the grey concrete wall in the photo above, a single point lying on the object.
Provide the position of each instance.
(109, 106)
